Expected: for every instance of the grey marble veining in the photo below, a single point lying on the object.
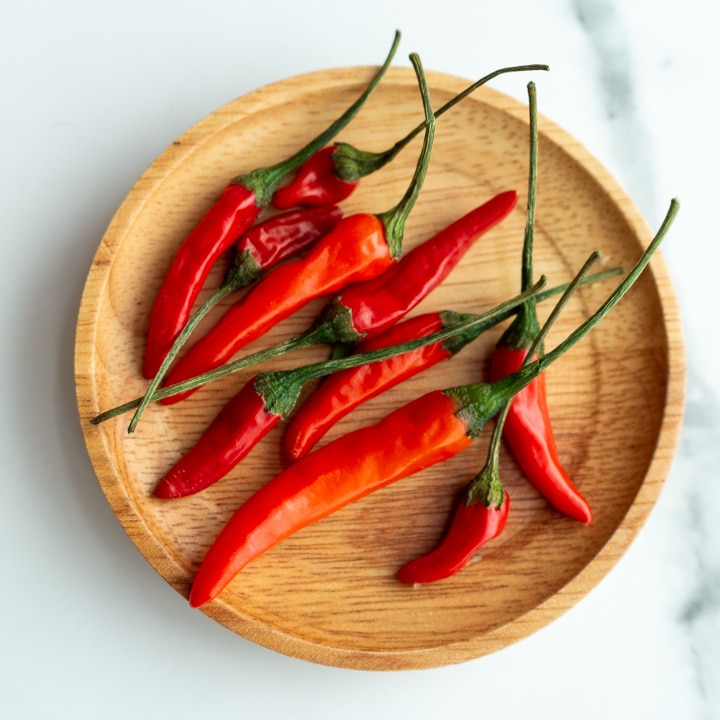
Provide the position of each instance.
(697, 468)
(607, 33)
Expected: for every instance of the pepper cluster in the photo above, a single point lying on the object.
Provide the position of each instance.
(309, 249)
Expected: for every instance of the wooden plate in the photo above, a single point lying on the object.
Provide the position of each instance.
(328, 594)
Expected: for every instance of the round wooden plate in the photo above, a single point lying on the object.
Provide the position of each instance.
(329, 594)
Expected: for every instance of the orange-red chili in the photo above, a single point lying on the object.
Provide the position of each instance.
(359, 247)
(237, 208)
(333, 173)
(428, 430)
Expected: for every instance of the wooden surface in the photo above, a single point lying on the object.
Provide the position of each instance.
(328, 594)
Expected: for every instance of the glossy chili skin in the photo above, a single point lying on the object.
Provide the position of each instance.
(473, 524)
(375, 305)
(270, 242)
(354, 250)
(316, 183)
(229, 217)
(341, 392)
(239, 426)
(417, 435)
(529, 434)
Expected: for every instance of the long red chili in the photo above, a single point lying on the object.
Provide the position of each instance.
(428, 430)
(359, 248)
(266, 398)
(422, 433)
(528, 429)
(333, 173)
(237, 208)
(342, 392)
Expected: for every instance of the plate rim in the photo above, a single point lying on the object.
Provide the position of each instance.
(158, 555)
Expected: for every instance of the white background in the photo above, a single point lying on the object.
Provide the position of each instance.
(91, 92)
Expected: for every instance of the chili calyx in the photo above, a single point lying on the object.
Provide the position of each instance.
(239, 205)
(264, 401)
(334, 172)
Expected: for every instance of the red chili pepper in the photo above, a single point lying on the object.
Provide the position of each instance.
(360, 247)
(529, 435)
(473, 524)
(238, 207)
(278, 238)
(260, 248)
(415, 436)
(341, 392)
(373, 306)
(528, 429)
(428, 430)
(233, 433)
(333, 173)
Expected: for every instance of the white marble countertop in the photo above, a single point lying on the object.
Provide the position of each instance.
(91, 93)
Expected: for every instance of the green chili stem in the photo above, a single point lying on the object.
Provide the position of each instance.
(352, 164)
(265, 181)
(525, 327)
(394, 220)
(486, 486)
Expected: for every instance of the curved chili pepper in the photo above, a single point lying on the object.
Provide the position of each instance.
(239, 426)
(258, 250)
(333, 173)
(426, 431)
(528, 429)
(265, 399)
(342, 392)
(530, 437)
(316, 183)
(473, 524)
(238, 207)
(360, 247)
(369, 308)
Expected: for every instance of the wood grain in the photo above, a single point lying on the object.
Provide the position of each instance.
(328, 594)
